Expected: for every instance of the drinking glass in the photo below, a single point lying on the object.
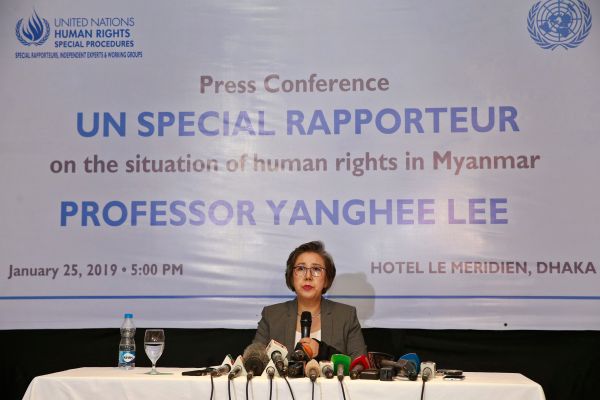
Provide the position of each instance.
(154, 344)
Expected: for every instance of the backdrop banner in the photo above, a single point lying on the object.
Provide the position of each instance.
(165, 158)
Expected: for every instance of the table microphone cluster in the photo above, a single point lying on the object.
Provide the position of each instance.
(272, 361)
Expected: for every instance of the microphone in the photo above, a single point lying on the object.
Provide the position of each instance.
(426, 374)
(277, 353)
(305, 323)
(224, 368)
(427, 370)
(414, 358)
(295, 369)
(400, 364)
(312, 370)
(341, 365)
(375, 358)
(412, 370)
(255, 359)
(408, 367)
(359, 364)
(302, 352)
(270, 370)
(326, 369)
(237, 369)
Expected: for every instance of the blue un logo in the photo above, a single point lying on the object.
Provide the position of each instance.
(554, 23)
(35, 31)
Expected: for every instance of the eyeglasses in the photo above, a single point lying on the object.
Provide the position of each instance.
(315, 270)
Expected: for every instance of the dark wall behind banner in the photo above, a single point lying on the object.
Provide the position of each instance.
(564, 363)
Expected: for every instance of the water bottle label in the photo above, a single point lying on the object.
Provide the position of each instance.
(126, 357)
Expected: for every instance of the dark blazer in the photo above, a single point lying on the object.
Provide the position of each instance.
(339, 326)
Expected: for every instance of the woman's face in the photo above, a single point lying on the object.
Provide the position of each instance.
(309, 287)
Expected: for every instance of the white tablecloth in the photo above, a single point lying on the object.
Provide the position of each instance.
(113, 383)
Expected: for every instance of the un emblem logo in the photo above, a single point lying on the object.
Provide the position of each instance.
(36, 31)
(554, 23)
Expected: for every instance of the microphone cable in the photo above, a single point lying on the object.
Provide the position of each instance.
(290, 387)
(313, 390)
(229, 388)
(342, 386)
(423, 389)
(247, 383)
(270, 388)
(212, 387)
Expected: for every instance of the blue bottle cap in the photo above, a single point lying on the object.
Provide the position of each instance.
(128, 315)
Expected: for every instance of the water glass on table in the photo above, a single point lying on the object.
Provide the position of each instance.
(154, 344)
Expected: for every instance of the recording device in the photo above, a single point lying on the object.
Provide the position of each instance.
(359, 364)
(454, 378)
(277, 353)
(326, 369)
(341, 365)
(255, 360)
(454, 375)
(199, 372)
(452, 372)
(237, 369)
(370, 374)
(407, 367)
(312, 370)
(224, 368)
(375, 358)
(386, 373)
(427, 370)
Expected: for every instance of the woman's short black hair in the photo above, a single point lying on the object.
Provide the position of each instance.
(310, 247)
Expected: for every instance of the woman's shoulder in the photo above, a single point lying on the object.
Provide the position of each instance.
(279, 308)
(336, 307)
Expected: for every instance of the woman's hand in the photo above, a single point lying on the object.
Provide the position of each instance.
(312, 344)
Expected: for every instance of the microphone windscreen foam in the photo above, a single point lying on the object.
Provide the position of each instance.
(305, 323)
(312, 368)
(255, 358)
(414, 358)
(341, 359)
(362, 361)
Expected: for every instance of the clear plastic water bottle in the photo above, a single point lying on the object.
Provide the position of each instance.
(127, 344)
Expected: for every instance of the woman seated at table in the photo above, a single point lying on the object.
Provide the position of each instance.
(335, 328)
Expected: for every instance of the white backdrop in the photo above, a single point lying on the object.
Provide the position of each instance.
(457, 189)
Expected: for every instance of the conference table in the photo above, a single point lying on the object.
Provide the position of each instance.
(116, 384)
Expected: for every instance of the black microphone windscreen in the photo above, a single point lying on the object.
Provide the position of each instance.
(255, 358)
(305, 323)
